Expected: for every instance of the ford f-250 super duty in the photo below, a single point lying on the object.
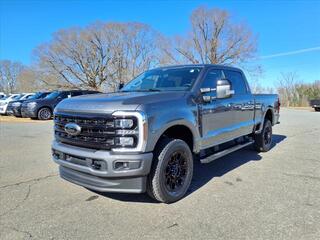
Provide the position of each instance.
(146, 136)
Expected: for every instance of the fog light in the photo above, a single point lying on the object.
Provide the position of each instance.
(121, 165)
(98, 164)
(124, 141)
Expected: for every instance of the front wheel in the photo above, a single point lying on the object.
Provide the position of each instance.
(44, 114)
(171, 172)
(263, 140)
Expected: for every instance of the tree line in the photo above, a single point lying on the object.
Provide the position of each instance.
(294, 93)
(102, 55)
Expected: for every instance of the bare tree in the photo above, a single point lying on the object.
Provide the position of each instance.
(9, 72)
(286, 87)
(215, 39)
(31, 80)
(100, 55)
(76, 56)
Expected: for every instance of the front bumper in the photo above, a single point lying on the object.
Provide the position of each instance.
(79, 166)
(16, 111)
(9, 111)
(27, 112)
(3, 109)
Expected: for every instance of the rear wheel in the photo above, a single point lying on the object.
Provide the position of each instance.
(317, 109)
(171, 172)
(263, 141)
(44, 114)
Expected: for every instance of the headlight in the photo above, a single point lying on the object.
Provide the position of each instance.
(130, 130)
(31, 104)
(124, 141)
(123, 123)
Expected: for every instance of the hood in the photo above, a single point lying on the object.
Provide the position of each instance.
(108, 103)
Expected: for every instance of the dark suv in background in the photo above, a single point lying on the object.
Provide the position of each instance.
(15, 106)
(43, 108)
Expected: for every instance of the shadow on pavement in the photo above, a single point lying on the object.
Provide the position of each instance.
(203, 173)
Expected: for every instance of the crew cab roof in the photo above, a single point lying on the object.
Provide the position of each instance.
(201, 65)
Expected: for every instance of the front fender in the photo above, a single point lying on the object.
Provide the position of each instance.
(160, 122)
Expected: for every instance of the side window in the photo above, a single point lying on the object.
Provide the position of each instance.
(237, 81)
(73, 94)
(63, 95)
(210, 80)
(30, 96)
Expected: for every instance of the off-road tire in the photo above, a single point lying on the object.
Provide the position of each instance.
(263, 140)
(157, 183)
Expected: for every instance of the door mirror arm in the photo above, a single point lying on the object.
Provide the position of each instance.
(207, 90)
(206, 98)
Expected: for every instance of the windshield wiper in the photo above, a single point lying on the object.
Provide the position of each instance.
(152, 90)
(143, 90)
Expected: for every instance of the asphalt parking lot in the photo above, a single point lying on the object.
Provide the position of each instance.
(245, 195)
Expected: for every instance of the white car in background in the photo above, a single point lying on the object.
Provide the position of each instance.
(13, 97)
(2, 95)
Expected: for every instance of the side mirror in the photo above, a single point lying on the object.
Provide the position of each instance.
(120, 86)
(223, 89)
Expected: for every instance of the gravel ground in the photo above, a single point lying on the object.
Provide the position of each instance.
(245, 195)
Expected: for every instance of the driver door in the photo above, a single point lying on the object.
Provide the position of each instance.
(217, 118)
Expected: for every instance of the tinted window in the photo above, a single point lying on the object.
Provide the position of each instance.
(237, 81)
(30, 97)
(211, 78)
(73, 94)
(53, 95)
(64, 94)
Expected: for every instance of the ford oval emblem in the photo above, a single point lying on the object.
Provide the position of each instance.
(72, 129)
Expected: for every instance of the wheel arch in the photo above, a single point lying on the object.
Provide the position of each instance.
(178, 131)
(268, 114)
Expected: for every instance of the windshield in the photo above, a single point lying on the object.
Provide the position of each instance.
(53, 95)
(169, 79)
(16, 97)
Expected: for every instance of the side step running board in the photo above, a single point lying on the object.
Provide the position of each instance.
(224, 152)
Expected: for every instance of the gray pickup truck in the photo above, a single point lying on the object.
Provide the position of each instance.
(146, 136)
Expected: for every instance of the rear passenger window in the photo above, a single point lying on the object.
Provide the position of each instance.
(63, 95)
(210, 80)
(73, 94)
(237, 81)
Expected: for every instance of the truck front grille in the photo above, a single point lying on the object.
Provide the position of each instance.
(97, 132)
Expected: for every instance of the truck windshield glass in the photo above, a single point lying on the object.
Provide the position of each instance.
(168, 79)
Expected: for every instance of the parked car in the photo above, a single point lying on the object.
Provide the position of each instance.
(15, 106)
(43, 108)
(4, 102)
(2, 95)
(315, 103)
(23, 97)
(145, 137)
